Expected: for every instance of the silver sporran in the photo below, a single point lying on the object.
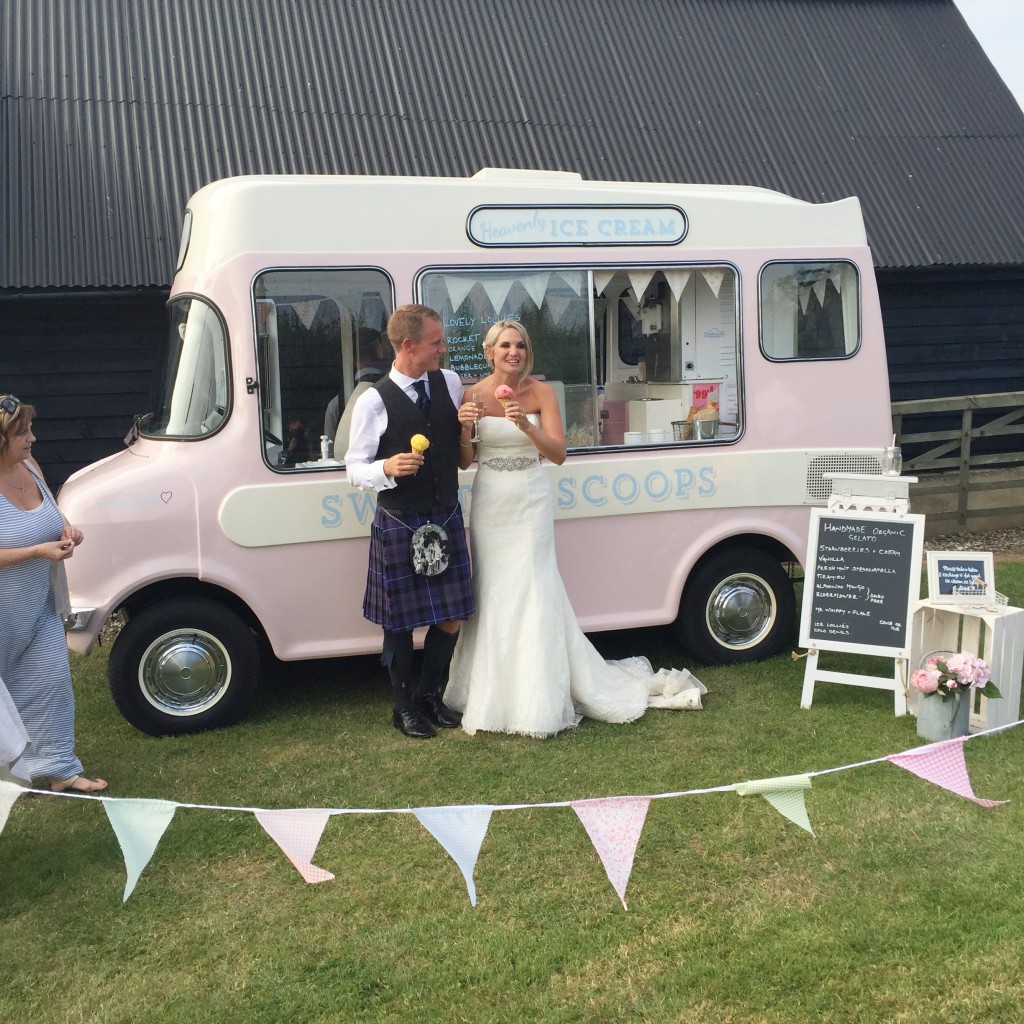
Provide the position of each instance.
(431, 550)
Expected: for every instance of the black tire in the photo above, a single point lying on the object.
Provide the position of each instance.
(737, 606)
(183, 665)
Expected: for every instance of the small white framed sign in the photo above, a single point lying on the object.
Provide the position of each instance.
(961, 577)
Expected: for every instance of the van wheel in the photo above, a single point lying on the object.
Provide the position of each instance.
(183, 665)
(737, 606)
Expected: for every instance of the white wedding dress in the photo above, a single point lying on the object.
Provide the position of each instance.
(522, 664)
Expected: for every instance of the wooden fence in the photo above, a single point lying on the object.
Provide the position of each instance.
(971, 471)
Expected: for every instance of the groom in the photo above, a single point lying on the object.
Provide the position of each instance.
(417, 507)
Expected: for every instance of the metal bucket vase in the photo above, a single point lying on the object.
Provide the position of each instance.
(939, 719)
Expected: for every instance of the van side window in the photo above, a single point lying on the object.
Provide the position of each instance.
(320, 342)
(192, 390)
(634, 354)
(810, 310)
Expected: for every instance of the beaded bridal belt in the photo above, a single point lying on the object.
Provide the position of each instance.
(510, 462)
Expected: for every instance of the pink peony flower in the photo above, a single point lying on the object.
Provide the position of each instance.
(924, 680)
(968, 669)
(947, 674)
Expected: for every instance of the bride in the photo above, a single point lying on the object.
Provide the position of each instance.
(522, 664)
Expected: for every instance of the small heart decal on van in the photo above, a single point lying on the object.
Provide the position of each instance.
(165, 496)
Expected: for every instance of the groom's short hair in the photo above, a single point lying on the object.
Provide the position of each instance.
(407, 322)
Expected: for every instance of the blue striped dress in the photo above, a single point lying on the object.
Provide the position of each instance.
(33, 648)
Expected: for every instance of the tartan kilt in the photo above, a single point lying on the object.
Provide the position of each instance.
(398, 598)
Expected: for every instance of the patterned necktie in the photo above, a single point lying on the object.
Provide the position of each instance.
(422, 398)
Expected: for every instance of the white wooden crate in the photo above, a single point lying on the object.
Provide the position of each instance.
(995, 634)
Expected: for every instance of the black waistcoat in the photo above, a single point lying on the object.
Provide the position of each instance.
(437, 482)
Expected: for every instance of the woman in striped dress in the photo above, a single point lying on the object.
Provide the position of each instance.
(35, 539)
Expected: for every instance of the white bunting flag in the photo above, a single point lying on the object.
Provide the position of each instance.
(298, 832)
(602, 278)
(536, 286)
(458, 288)
(714, 276)
(497, 289)
(639, 280)
(460, 830)
(614, 825)
(677, 280)
(557, 305)
(577, 281)
(139, 826)
(306, 312)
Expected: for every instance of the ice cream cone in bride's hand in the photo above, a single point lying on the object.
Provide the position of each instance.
(504, 394)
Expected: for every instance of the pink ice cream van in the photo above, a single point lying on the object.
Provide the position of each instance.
(715, 351)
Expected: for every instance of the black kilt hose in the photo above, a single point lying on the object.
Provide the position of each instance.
(397, 597)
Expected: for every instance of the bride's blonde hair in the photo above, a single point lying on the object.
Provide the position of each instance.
(492, 336)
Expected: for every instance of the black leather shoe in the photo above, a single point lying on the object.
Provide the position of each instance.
(410, 721)
(438, 712)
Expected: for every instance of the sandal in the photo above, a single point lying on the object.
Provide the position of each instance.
(78, 784)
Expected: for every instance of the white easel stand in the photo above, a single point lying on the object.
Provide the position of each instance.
(993, 633)
(897, 682)
(863, 492)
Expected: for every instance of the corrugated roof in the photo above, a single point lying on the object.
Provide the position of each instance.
(115, 111)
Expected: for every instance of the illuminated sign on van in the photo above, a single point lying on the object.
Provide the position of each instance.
(576, 225)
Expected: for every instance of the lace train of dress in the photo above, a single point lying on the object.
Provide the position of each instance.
(523, 665)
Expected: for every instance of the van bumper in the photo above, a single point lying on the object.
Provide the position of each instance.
(80, 637)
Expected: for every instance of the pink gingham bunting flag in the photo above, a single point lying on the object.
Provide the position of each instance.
(298, 832)
(943, 764)
(614, 826)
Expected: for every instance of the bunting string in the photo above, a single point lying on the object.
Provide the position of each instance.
(613, 823)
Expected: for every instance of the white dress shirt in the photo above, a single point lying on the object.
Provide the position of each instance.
(370, 420)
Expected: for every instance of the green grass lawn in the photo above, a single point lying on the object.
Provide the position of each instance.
(905, 907)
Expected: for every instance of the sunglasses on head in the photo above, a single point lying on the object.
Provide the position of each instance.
(10, 404)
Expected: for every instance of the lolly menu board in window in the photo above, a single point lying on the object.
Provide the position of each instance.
(863, 573)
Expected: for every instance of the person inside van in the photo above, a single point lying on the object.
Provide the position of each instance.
(372, 365)
(297, 442)
(410, 582)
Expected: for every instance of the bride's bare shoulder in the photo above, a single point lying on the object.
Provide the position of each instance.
(539, 388)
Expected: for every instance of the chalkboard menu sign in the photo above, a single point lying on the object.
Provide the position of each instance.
(863, 573)
(464, 338)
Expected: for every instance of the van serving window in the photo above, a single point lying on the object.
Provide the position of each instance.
(320, 338)
(633, 353)
(810, 310)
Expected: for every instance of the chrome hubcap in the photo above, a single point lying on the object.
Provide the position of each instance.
(741, 611)
(185, 672)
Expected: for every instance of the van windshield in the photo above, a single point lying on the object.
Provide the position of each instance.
(192, 388)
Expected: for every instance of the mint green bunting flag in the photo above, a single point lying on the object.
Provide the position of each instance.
(139, 826)
(785, 793)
